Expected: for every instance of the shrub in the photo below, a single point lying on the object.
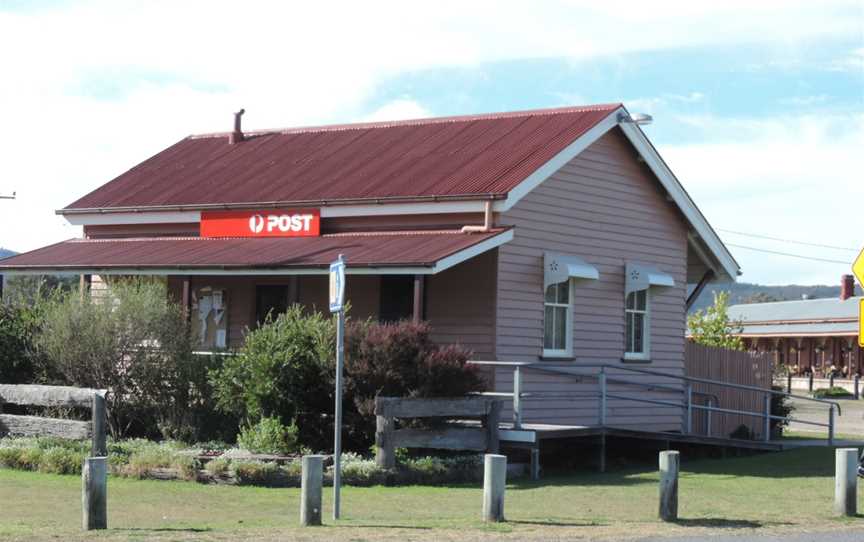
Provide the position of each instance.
(398, 360)
(133, 342)
(285, 369)
(269, 436)
(20, 362)
(781, 405)
(255, 472)
(220, 466)
(827, 393)
(59, 460)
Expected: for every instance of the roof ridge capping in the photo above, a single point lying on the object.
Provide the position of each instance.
(607, 107)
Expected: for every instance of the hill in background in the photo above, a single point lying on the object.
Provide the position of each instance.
(745, 292)
(5, 252)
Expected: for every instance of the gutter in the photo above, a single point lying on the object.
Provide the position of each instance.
(282, 204)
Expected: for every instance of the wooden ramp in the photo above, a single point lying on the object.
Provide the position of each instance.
(530, 436)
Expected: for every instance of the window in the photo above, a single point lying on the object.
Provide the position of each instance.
(397, 298)
(636, 325)
(558, 329)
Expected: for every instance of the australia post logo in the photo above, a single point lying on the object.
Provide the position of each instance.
(276, 223)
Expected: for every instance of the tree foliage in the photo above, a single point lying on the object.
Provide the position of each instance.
(712, 326)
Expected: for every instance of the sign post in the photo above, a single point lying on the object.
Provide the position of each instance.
(858, 270)
(337, 305)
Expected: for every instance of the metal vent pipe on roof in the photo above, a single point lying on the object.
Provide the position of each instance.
(237, 135)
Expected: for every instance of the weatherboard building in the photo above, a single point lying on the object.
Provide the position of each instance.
(557, 236)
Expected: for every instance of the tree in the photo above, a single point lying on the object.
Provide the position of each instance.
(712, 326)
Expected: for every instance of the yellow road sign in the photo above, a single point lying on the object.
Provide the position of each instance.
(861, 323)
(858, 269)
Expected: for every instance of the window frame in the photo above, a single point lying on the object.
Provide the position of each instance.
(645, 355)
(567, 352)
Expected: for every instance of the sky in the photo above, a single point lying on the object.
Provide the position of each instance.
(758, 106)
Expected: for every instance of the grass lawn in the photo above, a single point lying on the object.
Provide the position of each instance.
(772, 492)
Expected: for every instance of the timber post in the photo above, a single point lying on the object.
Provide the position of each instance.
(385, 451)
(310, 490)
(94, 493)
(846, 481)
(810, 382)
(789, 382)
(494, 482)
(669, 465)
(99, 446)
(856, 380)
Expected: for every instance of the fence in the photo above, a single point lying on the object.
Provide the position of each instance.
(733, 367)
(94, 472)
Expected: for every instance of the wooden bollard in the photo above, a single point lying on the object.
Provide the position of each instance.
(94, 493)
(494, 481)
(669, 464)
(846, 481)
(310, 490)
(857, 385)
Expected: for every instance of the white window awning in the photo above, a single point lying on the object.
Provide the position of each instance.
(638, 277)
(559, 267)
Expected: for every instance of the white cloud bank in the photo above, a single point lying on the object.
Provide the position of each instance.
(89, 89)
(796, 178)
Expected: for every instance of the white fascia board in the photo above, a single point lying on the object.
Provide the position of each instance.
(144, 217)
(472, 251)
(692, 213)
(558, 161)
(331, 211)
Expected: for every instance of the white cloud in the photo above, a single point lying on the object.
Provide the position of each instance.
(795, 177)
(401, 109)
(92, 88)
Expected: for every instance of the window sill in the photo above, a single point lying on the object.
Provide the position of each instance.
(636, 359)
(562, 357)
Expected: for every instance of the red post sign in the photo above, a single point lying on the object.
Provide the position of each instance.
(275, 223)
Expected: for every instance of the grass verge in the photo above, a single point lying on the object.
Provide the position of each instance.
(788, 491)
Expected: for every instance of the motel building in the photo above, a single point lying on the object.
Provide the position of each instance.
(555, 236)
(807, 338)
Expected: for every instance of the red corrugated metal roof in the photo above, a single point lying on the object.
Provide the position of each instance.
(441, 157)
(397, 249)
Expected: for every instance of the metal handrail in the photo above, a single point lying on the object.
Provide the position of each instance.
(544, 367)
(603, 379)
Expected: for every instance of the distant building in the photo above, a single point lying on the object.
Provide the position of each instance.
(806, 335)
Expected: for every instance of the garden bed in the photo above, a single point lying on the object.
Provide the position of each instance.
(171, 460)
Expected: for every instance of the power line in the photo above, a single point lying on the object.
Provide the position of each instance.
(790, 255)
(819, 245)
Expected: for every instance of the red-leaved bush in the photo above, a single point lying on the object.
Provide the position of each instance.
(400, 360)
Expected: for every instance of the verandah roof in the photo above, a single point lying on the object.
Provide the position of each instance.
(421, 252)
